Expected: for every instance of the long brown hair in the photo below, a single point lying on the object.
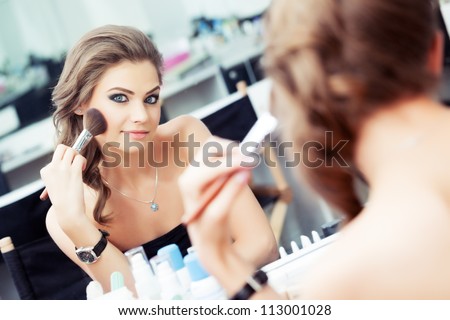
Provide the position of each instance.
(333, 63)
(85, 63)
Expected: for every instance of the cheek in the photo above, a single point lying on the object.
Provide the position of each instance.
(102, 139)
(155, 114)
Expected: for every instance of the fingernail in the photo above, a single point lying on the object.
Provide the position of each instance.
(242, 177)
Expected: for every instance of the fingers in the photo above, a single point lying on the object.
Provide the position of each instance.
(79, 162)
(218, 197)
(66, 156)
(66, 161)
(217, 158)
(69, 156)
(59, 152)
(44, 195)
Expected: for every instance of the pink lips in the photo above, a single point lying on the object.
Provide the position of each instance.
(137, 134)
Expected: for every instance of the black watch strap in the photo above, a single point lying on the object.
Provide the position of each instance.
(254, 284)
(101, 245)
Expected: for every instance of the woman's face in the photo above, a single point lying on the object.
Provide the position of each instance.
(128, 96)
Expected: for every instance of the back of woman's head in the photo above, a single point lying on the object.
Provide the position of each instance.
(85, 64)
(333, 63)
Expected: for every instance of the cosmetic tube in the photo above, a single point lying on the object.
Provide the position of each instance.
(171, 288)
(203, 285)
(146, 283)
(176, 261)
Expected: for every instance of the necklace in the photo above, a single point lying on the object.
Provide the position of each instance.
(153, 205)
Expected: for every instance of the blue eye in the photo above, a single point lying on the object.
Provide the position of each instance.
(118, 98)
(152, 99)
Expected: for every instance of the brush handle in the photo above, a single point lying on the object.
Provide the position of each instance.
(207, 197)
(265, 124)
(81, 142)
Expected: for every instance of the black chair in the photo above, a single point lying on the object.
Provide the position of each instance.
(39, 269)
(33, 106)
(233, 75)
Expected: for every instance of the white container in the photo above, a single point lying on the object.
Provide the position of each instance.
(146, 283)
(176, 262)
(171, 289)
(203, 285)
(94, 290)
(118, 289)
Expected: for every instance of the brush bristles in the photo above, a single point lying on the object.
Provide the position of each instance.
(94, 122)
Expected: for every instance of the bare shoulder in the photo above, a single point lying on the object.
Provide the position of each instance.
(391, 251)
(184, 126)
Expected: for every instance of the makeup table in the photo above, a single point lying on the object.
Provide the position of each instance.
(285, 274)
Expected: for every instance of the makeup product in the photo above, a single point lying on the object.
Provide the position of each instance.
(265, 124)
(171, 288)
(176, 261)
(118, 289)
(146, 283)
(282, 252)
(315, 236)
(305, 241)
(203, 285)
(294, 246)
(94, 290)
(94, 123)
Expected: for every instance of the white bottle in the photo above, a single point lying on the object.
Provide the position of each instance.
(203, 285)
(146, 283)
(171, 288)
(118, 289)
(176, 261)
(94, 290)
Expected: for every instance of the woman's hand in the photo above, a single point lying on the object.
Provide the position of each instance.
(64, 182)
(219, 178)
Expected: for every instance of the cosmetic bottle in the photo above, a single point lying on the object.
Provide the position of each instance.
(118, 289)
(94, 290)
(203, 285)
(176, 261)
(171, 288)
(146, 283)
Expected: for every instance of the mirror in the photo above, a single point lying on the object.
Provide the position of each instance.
(208, 47)
(197, 38)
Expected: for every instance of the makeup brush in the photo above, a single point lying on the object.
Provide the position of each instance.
(94, 123)
(265, 124)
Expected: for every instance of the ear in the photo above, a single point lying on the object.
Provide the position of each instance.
(80, 110)
(436, 54)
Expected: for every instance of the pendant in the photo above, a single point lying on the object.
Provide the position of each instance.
(154, 206)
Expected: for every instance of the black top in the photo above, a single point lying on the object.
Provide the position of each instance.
(177, 235)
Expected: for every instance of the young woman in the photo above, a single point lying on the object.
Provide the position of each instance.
(125, 182)
(367, 72)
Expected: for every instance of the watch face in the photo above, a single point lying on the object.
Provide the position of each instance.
(87, 256)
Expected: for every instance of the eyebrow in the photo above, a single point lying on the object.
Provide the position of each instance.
(131, 92)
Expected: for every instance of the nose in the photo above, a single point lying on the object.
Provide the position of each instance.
(138, 113)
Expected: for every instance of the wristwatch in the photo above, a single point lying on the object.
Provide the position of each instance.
(254, 284)
(92, 254)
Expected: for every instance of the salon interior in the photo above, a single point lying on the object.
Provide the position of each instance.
(212, 52)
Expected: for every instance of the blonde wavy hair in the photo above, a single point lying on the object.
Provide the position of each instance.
(333, 63)
(85, 64)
